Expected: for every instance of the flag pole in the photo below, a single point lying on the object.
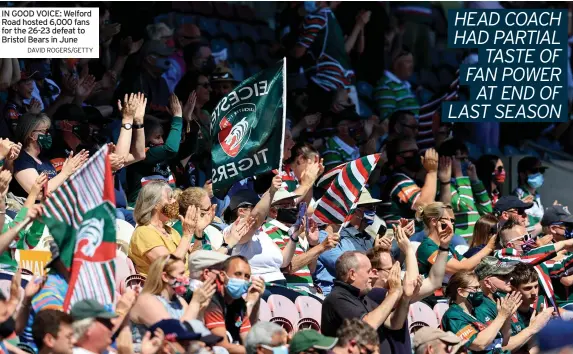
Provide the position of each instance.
(283, 116)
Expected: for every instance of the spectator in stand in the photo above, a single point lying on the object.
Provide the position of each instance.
(556, 337)
(348, 298)
(428, 340)
(203, 263)
(492, 174)
(301, 170)
(199, 58)
(164, 288)
(265, 257)
(558, 222)
(222, 82)
(186, 34)
(266, 336)
(15, 107)
(93, 326)
(396, 337)
(279, 226)
(352, 238)
(353, 336)
(53, 333)
(153, 238)
(181, 337)
(327, 62)
(402, 124)
(46, 91)
(530, 179)
(469, 198)
(393, 91)
(485, 228)
(498, 279)
(159, 152)
(153, 62)
(465, 296)
(438, 220)
(33, 132)
(343, 146)
(228, 312)
(402, 194)
(511, 207)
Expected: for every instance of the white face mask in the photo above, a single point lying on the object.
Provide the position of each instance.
(195, 284)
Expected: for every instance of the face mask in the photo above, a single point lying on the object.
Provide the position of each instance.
(287, 216)
(7, 328)
(499, 177)
(42, 69)
(465, 165)
(280, 350)
(499, 294)
(45, 141)
(369, 217)
(180, 285)
(475, 298)
(535, 181)
(236, 287)
(413, 163)
(310, 6)
(208, 66)
(195, 284)
(528, 245)
(171, 210)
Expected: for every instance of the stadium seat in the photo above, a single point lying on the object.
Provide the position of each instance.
(218, 44)
(420, 312)
(526, 150)
(509, 150)
(365, 111)
(229, 30)
(489, 150)
(245, 13)
(265, 314)
(208, 26)
(440, 308)
(267, 34)
(134, 282)
(242, 52)
(124, 233)
(474, 151)
(364, 89)
(284, 312)
(309, 310)
(122, 270)
(253, 69)
(223, 9)
(450, 59)
(203, 7)
(238, 70)
(249, 32)
(262, 54)
(188, 19)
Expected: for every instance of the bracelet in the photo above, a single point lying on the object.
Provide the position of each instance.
(448, 182)
(293, 239)
(443, 249)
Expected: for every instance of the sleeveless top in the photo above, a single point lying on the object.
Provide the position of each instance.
(174, 309)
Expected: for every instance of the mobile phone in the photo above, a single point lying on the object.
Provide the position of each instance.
(301, 214)
(444, 226)
(307, 225)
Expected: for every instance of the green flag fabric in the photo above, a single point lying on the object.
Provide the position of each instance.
(81, 217)
(247, 129)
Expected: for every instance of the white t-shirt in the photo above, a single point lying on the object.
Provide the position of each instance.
(265, 257)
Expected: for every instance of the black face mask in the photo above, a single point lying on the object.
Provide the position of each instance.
(208, 66)
(413, 163)
(287, 216)
(7, 327)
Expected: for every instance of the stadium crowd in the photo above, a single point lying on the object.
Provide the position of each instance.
(435, 258)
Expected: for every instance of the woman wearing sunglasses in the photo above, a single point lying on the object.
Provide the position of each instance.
(465, 296)
(530, 179)
(438, 219)
(491, 172)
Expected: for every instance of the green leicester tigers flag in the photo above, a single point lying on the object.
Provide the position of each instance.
(247, 129)
(81, 217)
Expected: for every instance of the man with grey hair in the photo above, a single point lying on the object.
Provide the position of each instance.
(428, 340)
(354, 279)
(92, 327)
(266, 338)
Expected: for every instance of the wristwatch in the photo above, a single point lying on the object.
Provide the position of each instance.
(138, 126)
(226, 245)
(127, 126)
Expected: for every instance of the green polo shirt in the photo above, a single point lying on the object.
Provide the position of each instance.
(428, 252)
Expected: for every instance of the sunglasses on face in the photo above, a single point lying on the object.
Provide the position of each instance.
(524, 238)
(106, 322)
(520, 212)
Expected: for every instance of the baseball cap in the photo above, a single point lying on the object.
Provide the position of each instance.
(510, 202)
(155, 47)
(243, 198)
(222, 74)
(366, 199)
(491, 267)
(282, 195)
(556, 214)
(529, 163)
(555, 335)
(203, 259)
(90, 309)
(427, 334)
(206, 336)
(309, 338)
(175, 330)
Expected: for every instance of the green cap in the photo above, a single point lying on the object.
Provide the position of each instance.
(90, 309)
(309, 338)
(492, 267)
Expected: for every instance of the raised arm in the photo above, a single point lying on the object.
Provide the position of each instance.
(437, 272)
(506, 307)
(428, 191)
(445, 177)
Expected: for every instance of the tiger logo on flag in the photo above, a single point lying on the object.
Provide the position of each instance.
(235, 129)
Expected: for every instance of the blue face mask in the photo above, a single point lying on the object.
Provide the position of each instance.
(465, 165)
(369, 217)
(280, 350)
(236, 287)
(535, 181)
(310, 6)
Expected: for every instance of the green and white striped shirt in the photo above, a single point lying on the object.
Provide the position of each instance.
(392, 94)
